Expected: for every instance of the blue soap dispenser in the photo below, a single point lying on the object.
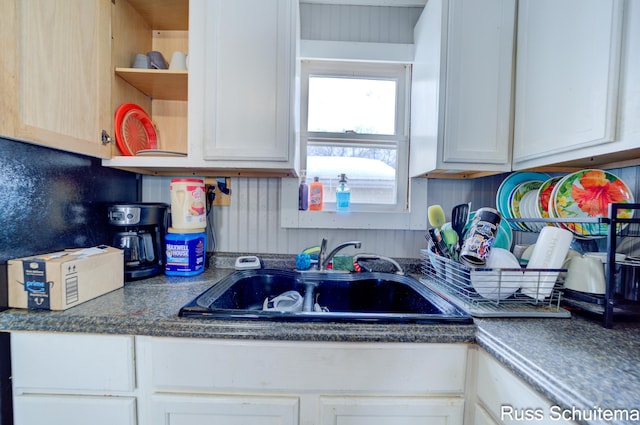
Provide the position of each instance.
(343, 194)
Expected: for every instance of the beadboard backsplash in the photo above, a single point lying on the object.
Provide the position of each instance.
(371, 24)
(251, 224)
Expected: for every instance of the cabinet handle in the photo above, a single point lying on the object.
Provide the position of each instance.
(106, 138)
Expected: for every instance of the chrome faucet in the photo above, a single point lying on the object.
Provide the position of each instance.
(323, 260)
(398, 267)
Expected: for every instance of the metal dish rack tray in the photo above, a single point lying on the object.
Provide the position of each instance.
(583, 228)
(503, 289)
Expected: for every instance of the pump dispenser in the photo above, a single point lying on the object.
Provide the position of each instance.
(343, 194)
(315, 195)
(303, 192)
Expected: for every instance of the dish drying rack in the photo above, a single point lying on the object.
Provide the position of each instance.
(610, 305)
(621, 277)
(452, 280)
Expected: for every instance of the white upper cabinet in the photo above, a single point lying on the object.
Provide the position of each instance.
(567, 80)
(461, 89)
(242, 97)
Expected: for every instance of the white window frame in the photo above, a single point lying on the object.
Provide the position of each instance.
(385, 71)
(409, 211)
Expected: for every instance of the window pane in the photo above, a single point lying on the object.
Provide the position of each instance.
(365, 106)
(371, 171)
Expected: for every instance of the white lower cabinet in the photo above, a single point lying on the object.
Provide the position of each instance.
(104, 379)
(390, 410)
(70, 379)
(73, 410)
(482, 417)
(198, 381)
(228, 410)
(503, 398)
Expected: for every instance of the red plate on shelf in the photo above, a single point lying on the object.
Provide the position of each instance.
(134, 129)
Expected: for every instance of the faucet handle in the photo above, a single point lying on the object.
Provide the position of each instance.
(322, 253)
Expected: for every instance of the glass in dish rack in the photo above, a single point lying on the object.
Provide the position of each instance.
(504, 292)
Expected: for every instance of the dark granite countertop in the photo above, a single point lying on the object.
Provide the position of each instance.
(574, 362)
(150, 307)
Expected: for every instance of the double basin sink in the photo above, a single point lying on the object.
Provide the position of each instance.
(324, 297)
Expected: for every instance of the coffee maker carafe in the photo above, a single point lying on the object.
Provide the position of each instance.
(139, 230)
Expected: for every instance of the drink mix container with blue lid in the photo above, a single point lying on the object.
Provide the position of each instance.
(185, 251)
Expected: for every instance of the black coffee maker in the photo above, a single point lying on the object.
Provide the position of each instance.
(139, 230)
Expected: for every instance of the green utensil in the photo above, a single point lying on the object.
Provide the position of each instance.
(436, 216)
(450, 237)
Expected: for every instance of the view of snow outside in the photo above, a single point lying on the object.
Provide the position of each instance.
(353, 106)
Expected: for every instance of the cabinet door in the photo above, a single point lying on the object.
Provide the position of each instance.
(509, 399)
(203, 365)
(227, 410)
(566, 79)
(73, 410)
(76, 363)
(482, 417)
(390, 411)
(249, 71)
(461, 89)
(55, 80)
(477, 94)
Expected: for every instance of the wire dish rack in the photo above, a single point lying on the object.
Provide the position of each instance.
(495, 292)
(621, 228)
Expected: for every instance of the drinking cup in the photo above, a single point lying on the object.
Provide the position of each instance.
(141, 61)
(157, 60)
(480, 237)
(585, 274)
(178, 62)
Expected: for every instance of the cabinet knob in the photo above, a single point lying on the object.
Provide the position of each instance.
(106, 138)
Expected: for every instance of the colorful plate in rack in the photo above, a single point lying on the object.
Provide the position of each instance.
(544, 196)
(588, 193)
(552, 210)
(528, 209)
(134, 129)
(508, 185)
(518, 209)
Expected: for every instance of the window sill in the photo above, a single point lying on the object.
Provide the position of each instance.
(413, 219)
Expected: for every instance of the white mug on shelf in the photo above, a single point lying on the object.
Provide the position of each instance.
(585, 274)
(178, 62)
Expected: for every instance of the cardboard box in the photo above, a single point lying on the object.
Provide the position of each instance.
(64, 279)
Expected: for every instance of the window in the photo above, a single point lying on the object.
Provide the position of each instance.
(354, 121)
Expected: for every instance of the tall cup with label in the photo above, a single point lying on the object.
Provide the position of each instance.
(188, 203)
(480, 237)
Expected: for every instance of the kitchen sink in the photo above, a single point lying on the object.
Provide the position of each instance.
(323, 296)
